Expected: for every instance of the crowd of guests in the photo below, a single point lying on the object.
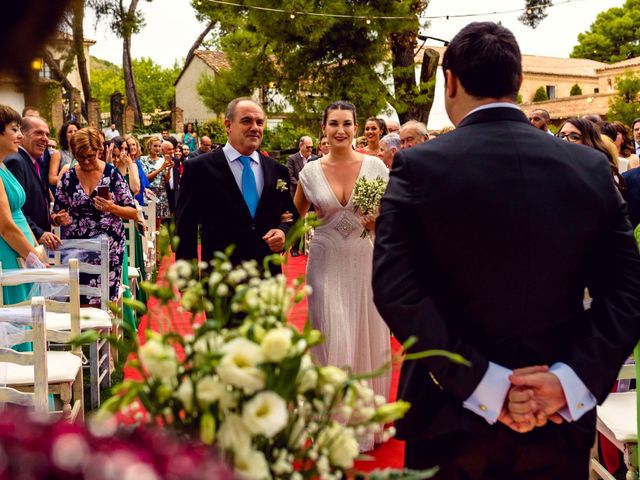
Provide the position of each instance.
(88, 183)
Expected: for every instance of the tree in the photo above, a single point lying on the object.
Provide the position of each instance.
(625, 105)
(575, 90)
(124, 21)
(311, 59)
(77, 27)
(613, 36)
(540, 95)
(156, 90)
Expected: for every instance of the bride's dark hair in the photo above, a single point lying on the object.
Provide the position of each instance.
(339, 105)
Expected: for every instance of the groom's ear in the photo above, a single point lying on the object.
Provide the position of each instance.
(227, 124)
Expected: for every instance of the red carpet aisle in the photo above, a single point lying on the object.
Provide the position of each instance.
(387, 455)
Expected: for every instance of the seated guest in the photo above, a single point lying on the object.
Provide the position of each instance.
(28, 168)
(92, 199)
(389, 145)
(413, 133)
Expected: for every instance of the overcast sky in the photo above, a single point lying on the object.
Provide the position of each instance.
(171, 27)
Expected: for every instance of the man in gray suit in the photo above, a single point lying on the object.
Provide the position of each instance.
(297, 161)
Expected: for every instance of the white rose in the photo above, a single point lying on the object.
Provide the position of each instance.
(185, 394)
(265, 414)
(276, 344)
(252, 466)
(158, 359)
(340, 444)
(333, 375)
(210, 390)
(234, 436)
(239, 366)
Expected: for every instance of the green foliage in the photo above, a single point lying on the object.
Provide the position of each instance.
(518, 98)
(540, 95)
(215, 130)
(625, 105)
(285, 136)
(312, 60)
(613, 36)
(535, 12)
(575, 90)
(154, 83)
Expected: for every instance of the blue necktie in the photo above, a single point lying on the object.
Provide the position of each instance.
(249, 188)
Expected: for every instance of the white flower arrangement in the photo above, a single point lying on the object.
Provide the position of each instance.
(367, 194)
(247, 383)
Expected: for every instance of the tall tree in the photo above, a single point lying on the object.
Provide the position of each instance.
(156, 90)
(613, 36)
(77, 7)
(625, 105)
(125, 22)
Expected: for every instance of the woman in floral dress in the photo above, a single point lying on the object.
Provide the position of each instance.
(83, 213)
(157, 169)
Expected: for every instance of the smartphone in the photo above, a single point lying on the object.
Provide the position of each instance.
(103, 191)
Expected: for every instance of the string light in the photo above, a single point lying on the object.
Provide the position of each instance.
(368, 18)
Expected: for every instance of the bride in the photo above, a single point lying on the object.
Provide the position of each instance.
(339, 268)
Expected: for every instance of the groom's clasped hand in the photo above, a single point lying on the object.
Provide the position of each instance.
(535, 397)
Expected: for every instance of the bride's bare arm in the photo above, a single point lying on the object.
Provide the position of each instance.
(300, 201)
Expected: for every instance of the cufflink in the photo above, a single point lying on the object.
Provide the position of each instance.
(580, 405)
(484, 408)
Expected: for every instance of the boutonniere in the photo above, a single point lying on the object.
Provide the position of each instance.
(282, 185)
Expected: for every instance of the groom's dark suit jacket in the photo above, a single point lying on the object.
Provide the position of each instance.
(36, 206)
(210, 198)
(486, 240)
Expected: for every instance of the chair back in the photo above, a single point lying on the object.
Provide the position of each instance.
(130, 227)
(80, 248)
(65, 276)
(32, 316)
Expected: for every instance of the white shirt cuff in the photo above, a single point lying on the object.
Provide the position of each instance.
(488, 398)
(579, 399)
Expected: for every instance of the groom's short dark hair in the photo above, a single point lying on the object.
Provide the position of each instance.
(486, 59)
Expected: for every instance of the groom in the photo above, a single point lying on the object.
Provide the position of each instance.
(233, 194)
(486, 240)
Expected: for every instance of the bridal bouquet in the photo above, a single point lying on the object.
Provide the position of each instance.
(245, 382)
(367, 194)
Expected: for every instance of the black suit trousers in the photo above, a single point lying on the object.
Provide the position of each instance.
(499, 453)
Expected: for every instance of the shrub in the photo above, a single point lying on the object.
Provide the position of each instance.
(215, 130)
(540, 95)
(575, 90)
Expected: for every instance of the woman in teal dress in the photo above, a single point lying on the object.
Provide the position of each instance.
(16, 238)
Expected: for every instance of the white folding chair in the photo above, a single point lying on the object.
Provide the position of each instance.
(64, 368)
(617, 420)
(91, 318)
(131, 269)
(10, 360)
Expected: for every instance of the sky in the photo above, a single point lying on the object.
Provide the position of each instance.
(171, 27)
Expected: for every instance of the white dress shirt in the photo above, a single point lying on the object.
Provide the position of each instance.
(233, 157)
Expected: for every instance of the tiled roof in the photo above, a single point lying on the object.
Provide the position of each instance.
(214, 59)
(572, 67)
(65, 37)
(631, 62)
(566, 107)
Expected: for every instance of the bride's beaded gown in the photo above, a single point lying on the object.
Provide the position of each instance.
(339, 272)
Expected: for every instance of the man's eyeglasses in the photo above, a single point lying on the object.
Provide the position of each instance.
(570, 137)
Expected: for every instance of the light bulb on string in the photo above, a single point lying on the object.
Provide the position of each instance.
(368, 21)
(292, 16)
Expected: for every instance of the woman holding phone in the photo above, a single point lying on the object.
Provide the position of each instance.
(92, 199)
